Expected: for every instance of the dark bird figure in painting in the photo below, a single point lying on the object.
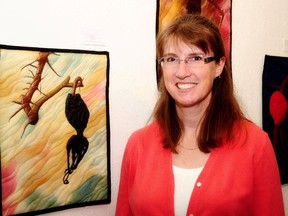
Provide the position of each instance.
(77, 114)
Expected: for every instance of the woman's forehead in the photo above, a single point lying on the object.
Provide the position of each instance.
(178, 45)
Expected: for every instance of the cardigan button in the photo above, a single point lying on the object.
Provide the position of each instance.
(198, 184)
(190, 214)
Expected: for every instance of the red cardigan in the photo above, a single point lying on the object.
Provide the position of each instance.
(239, 180)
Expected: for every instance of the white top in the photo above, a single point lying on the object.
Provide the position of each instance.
(185, 180)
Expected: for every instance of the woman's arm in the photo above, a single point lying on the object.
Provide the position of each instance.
(268, 198)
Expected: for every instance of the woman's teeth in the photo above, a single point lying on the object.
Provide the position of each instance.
(185, 85)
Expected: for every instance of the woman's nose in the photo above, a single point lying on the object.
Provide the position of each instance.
(182, 71)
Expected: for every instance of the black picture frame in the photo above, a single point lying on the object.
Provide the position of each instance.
(44, 124)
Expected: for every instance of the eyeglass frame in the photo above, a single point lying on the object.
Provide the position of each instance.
(178, 60)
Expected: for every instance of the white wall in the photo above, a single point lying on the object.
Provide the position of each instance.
(126, 28)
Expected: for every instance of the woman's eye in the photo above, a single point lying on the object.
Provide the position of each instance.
(195, 58)
(171, 59)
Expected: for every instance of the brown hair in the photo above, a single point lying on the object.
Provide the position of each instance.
(223, 111)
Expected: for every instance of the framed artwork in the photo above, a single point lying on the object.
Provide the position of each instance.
(219, 11)
(275, 107)
(54, 129)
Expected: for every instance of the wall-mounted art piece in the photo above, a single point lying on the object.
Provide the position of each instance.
(275, 107)
(219, 11)
(54, 129)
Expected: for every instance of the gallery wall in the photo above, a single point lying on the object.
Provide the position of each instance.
(126, 29)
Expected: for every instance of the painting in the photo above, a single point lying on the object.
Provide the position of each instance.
(54, 129)
(218, 11)
(275, 119)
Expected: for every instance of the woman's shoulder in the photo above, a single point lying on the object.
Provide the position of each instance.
(253, 129)
(249, 132)
(150, 133)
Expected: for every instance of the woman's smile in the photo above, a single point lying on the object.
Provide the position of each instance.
(185, 85)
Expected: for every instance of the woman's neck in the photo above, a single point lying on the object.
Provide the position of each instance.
(190, 117)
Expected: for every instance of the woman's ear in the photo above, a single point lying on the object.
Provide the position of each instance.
(219, 67)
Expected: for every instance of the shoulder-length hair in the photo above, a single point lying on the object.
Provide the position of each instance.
(223, 111)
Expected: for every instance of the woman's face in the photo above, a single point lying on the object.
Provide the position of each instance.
(189, 85)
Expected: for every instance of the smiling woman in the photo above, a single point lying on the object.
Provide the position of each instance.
(181, 39)
(193, 150)
(190, 82)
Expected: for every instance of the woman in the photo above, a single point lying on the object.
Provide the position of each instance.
(200, 155)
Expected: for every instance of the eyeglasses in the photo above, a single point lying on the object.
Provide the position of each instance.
(192, 61)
